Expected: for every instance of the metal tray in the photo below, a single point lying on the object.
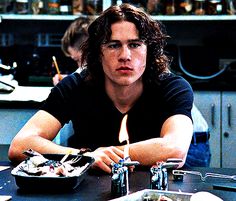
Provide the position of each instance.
(38, 183)
(153, 195)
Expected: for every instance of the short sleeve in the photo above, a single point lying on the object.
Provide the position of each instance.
(60, 101)
(178, 94)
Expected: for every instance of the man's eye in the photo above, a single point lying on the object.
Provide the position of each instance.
(113, 45)
(134, 45)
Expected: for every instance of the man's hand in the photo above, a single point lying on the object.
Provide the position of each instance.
(104, 156)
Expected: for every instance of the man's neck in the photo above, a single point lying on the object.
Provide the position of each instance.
(124, 97)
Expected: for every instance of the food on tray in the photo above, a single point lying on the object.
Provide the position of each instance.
(37, 165)
(159, 198)
(164, 198)
(156, 195)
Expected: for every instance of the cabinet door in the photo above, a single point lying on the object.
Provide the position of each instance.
(228, 129)
(12, 120)
(209, 103)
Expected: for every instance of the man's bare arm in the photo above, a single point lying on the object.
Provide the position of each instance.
(37, 134)
(176, 135)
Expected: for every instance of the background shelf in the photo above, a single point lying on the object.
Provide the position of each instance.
(156, 17)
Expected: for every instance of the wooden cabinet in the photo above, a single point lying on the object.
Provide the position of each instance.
(219, 110)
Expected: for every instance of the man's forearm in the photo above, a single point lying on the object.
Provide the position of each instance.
(35, 143)
(150, 151)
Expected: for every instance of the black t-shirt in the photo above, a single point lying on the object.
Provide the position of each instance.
(97, 121)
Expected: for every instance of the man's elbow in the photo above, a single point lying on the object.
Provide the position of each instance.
(180, 154)
(15, 153)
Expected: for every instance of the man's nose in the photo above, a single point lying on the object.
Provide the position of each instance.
(125, 53)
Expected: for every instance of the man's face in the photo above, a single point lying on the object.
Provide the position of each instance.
(124, 56)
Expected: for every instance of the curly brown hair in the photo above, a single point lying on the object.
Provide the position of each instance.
(152, 32)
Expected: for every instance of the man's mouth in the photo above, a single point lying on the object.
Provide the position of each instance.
(124, 69)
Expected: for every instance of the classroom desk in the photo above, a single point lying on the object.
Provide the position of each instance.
(98, 186)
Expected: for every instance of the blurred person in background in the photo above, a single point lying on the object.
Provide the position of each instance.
(199, 154)
(71, 43)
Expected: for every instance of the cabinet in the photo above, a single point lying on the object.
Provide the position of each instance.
(12, 120)
(219, 110)
(209, 103)
(18, 107)
(228, 129)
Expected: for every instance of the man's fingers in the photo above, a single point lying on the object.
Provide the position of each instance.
(114, 154)
(101, 164)
(105, 156)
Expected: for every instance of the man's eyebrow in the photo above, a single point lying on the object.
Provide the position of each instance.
(113, 41)
(118, 41)
(135, 40)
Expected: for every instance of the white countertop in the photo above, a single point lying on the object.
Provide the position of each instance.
(27, 93)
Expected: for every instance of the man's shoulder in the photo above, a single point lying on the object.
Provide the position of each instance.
(171, 79)
(166, 76)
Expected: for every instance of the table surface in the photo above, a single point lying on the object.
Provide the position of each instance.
(25, 93)
(98, 186)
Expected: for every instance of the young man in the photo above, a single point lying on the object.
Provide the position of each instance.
(72, 41)
(126, 73)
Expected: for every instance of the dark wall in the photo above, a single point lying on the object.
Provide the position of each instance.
(202, 44)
